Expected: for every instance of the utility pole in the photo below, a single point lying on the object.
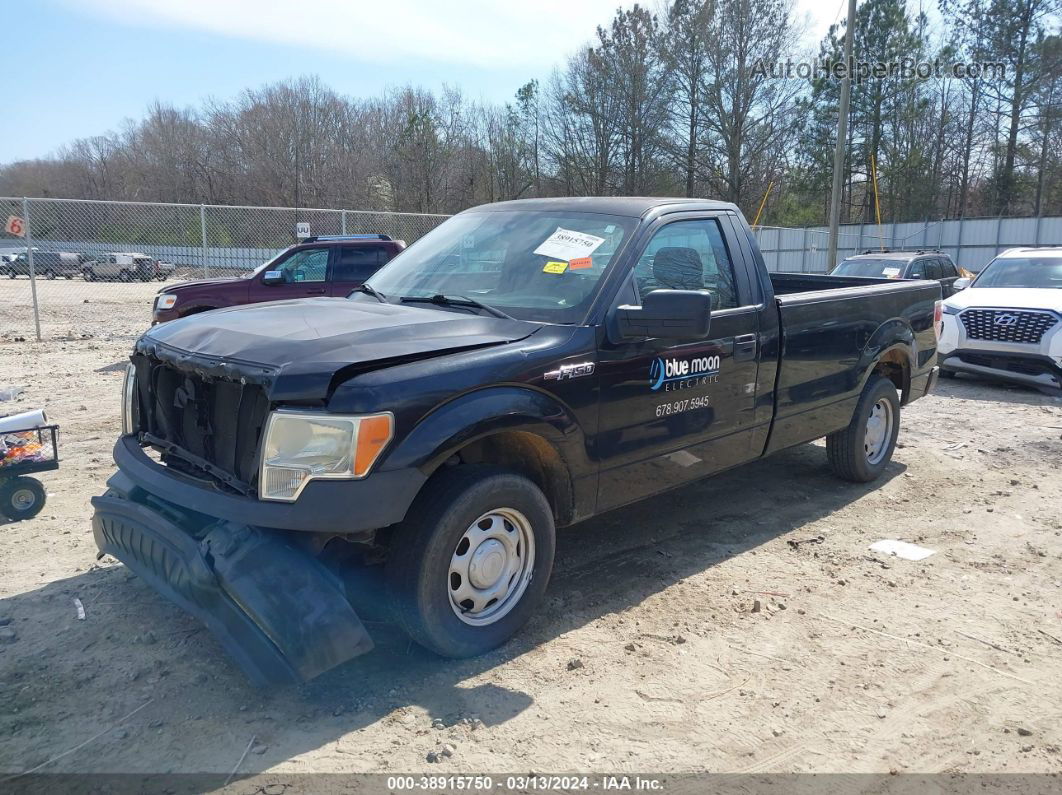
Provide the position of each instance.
(842, 138)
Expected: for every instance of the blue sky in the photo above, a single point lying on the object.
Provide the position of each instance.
(82, 66)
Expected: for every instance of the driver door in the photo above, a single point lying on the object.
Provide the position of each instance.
(677, 410)
(304, 272)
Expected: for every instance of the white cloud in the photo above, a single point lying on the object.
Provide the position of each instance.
(510, 33)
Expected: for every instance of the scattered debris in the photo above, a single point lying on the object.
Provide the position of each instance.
(9, 392)
(928, 646)
(995, 646)
(901, 549)
(1049, 635)
(78, 747)
(574, 663)
(1023, 732)
(7, 635)
(80, 609)
(795, 544)
(242, 757)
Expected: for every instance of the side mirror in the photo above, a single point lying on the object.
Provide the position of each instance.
(273, 277)
(667, 314)
(961, 283)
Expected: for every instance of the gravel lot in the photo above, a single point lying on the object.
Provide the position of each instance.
(740, 625)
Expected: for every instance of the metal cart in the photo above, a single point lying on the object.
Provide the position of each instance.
(21, 496)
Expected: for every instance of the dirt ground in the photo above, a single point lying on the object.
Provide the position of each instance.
(741, 624)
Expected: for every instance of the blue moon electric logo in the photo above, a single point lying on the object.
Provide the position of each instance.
(663, 372)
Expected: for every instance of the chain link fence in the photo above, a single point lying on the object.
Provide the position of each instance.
(56, 254)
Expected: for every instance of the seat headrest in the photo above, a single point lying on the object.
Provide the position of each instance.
(677, 268)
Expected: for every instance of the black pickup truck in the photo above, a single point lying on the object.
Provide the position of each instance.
(523, 367)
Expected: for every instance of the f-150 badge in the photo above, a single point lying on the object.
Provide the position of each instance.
(570, 371)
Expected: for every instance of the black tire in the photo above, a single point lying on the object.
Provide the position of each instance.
(421, 548)
(125, 276)
(49, 274)
(946, 372)
(21, 498)
(846, 449)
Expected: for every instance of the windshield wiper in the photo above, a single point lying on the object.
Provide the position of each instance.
(455, 300)
(368, 289)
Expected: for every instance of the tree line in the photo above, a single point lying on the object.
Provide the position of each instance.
(686, 101)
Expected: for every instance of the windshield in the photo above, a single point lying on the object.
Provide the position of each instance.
(1022, 272)
(876, 268)
(541, 266)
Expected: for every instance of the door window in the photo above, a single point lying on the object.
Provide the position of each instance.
(358, 263)
(918, 269)
(933, 269)
(307, 265)
(688, 255)
(948, 268)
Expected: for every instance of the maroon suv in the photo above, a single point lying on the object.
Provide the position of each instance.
(333, 265)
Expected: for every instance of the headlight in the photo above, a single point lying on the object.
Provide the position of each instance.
(299, 447)
(166, 301)
(129, 413)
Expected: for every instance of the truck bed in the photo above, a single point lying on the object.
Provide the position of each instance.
(834, 327)
(789, 283)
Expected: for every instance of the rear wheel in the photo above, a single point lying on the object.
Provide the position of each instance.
(471, 561)
(49, 274)
(861, 451)
(125, 276)
(21, 498)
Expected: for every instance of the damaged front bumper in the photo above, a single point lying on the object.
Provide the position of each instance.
(281, 614)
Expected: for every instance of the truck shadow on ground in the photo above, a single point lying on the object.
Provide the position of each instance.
(974, 387)
(134, 647)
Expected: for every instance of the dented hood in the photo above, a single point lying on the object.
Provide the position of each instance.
(296, 348)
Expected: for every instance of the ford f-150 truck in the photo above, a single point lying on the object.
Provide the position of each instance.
(523, 367)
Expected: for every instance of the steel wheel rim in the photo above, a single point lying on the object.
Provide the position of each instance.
(878, 431)
(491, 566)
(23, 499)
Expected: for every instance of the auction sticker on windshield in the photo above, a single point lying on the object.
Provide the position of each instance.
(568, 245)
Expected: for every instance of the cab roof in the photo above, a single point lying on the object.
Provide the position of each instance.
(630, 206)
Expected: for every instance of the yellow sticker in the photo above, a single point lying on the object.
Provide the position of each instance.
(555, 267)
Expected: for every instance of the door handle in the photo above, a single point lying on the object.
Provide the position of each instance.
(745, 347)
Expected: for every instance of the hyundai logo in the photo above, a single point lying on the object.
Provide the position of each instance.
(1006, 320)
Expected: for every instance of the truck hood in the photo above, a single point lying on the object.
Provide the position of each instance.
(1008, 298)
(177, 288)
(295, 349)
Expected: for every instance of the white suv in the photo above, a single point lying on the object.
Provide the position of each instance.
(1008, 322)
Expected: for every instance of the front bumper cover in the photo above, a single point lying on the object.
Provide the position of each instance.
(275, 609)
(1032, 369)
(325, 506)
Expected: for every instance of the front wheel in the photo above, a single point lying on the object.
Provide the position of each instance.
(861, 451)
(471, 561)
(21, 498)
